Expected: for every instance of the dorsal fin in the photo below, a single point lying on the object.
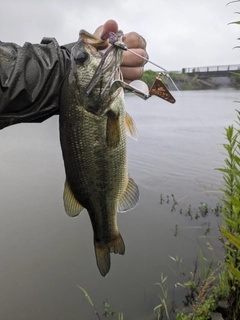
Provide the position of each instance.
(130, 198)
(71, 205)
(131, 129)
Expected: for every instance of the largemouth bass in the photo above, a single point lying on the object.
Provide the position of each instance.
(93, 125)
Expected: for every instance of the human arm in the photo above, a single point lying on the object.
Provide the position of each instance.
(30, 80)
(31, 76)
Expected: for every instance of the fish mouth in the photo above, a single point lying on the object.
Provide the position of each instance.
(97, 43)
(99, 73)
(106, 47)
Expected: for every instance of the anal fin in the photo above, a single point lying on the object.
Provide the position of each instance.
(130, 197)
(71, 205)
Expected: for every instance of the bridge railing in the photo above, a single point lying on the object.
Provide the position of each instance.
(233, 67)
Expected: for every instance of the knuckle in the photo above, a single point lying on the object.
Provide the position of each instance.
(135, 40)
(139, 73)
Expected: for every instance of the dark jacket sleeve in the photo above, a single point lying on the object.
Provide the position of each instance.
(30, 80)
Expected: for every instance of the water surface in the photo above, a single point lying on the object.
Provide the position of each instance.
(45, 254)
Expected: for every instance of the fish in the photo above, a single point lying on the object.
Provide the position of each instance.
(93, 125)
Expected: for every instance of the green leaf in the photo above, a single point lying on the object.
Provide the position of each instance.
(166, 309)
(235, 22)
(87, 296)
(229, 133)
(230, 254)
(120, 316)
(235, 272)
(233, 239)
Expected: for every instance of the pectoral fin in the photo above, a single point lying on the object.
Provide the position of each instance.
(130, 198)
(113, 130)
(71, 205)
(131, 129)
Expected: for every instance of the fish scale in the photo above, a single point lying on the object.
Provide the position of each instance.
(93, 141)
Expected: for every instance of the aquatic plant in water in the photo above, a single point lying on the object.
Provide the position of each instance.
(108, 311)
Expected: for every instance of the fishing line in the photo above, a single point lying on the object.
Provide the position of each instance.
(200, 120)
(212, 183)
(99, 71)
(166, 73)
(116, 40)
(122, 46)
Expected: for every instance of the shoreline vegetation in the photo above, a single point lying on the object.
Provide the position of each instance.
(184, 81)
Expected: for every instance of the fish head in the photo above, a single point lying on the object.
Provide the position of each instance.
(94, 66)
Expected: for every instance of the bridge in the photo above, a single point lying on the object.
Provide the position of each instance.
(212, 71)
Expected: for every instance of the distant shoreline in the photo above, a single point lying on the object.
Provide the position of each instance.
(185, 81)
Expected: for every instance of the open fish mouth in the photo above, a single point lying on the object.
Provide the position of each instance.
(106, 63)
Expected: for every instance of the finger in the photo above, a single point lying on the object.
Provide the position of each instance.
(98, 31)
(131, 60)
(132, 73)
(134, 40)
(127, 80)
(110, 25)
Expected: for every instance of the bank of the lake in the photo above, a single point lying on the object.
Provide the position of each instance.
(184, 81)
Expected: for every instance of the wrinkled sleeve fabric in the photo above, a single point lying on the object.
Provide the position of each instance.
(30, 80)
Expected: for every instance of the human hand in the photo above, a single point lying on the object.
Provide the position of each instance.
(132, 66)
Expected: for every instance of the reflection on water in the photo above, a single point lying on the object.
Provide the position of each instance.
(45, 254)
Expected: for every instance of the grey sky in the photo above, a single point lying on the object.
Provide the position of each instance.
(179, 33)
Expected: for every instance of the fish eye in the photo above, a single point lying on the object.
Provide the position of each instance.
(81, 57)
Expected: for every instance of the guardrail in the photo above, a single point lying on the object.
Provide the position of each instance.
(227, 68)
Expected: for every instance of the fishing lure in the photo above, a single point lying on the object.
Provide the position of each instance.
(138, 87)
(158, 88)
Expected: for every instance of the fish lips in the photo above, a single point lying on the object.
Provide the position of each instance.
(87, 45)
(97, 43)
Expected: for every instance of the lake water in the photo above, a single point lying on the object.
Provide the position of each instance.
(46, 255)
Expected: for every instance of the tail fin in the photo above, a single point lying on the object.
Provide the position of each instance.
(103, 250)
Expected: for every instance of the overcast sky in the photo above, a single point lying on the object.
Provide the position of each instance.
(179, 33)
